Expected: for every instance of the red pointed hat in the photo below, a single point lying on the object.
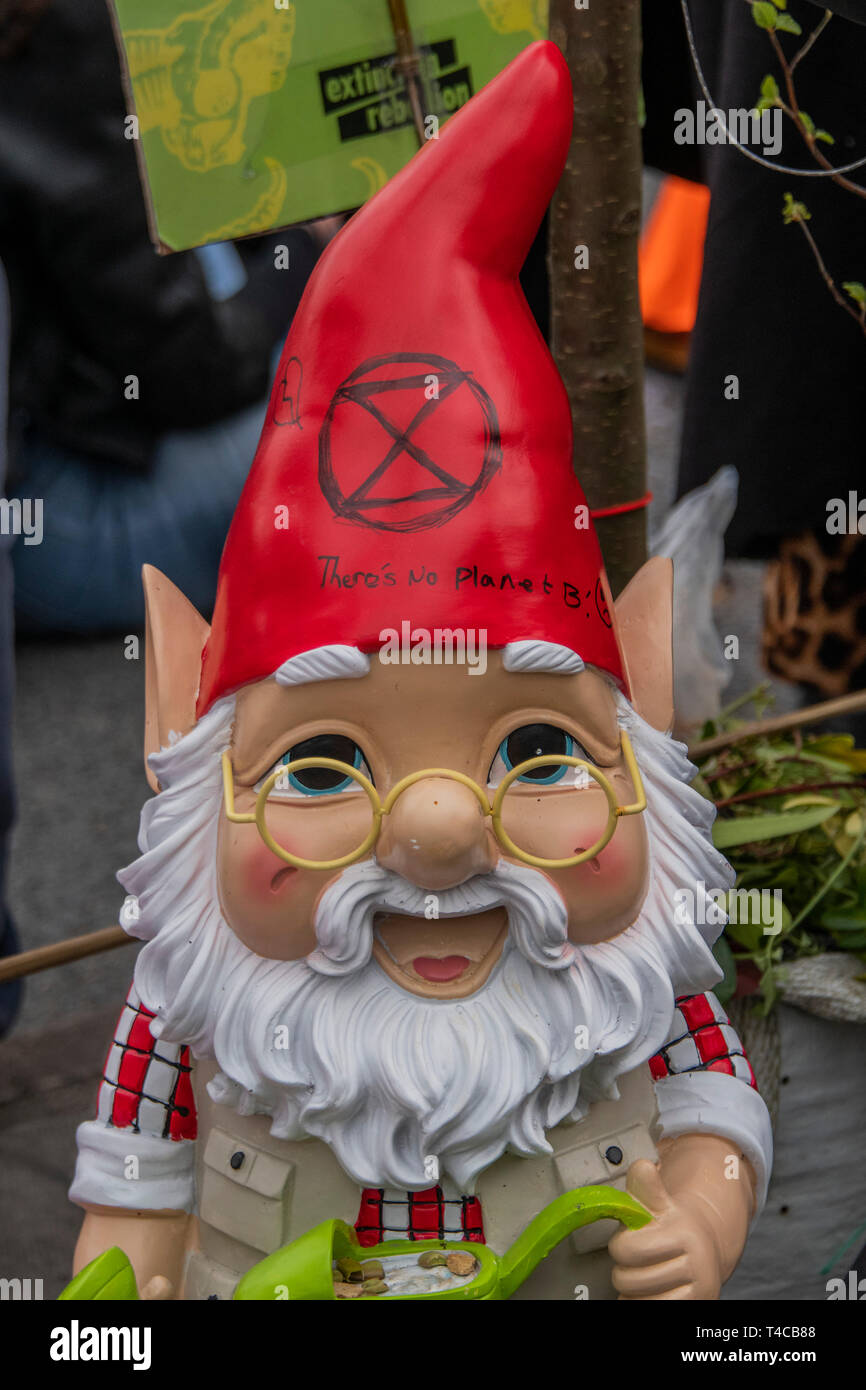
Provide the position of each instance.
(416, 459)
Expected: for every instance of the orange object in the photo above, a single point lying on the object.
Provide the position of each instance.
(671, 256)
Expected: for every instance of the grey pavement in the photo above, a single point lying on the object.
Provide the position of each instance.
(79, 721)
(80, 783)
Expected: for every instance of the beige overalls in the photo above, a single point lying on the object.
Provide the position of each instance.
(256, 1193)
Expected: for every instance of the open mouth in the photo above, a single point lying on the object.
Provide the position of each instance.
(448, 957)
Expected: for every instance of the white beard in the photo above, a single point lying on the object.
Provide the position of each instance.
(386, 1078)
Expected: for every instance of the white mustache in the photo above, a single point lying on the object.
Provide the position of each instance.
(537, 916)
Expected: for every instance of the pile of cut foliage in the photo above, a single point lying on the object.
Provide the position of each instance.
(791, 816)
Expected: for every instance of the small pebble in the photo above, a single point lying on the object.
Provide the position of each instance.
(431, 1259)
(345, 1290)
(350, 1270)
(373, 1269)
(460, 1262)
(374, 1286)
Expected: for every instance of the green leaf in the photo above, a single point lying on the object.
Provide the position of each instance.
(781, 4)
(822, 760)
(849, 938)
(724, 990)
(838, 746)
(751, 927)
(793, 211)
(784, 751)
(769, 88)
(787, 23)
(769, 990)
(854, 920)
(856, 291)
(764, 14)
(793, 803)
(807, 122)
(825, 136)
(829, 743)
(747, 934)
(747, 830)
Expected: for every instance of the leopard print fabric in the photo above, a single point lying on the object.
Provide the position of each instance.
(815, 612)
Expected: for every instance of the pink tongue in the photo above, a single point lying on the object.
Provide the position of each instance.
(439, 971)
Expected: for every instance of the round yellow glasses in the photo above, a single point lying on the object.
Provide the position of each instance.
(500, 809)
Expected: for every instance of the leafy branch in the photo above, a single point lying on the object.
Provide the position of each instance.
(810, 134)
(793, 211)
(772, 16)
(815, 34)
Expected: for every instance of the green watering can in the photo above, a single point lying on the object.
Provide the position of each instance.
(303, 1271)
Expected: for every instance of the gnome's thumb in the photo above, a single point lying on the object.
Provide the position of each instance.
(645, 1183)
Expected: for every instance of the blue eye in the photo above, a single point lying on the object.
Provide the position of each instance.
(535, 741)
(318, 781)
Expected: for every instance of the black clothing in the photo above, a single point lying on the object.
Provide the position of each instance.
(92, 302)
(797, 433)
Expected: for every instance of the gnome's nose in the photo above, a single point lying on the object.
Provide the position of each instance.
(436, 836)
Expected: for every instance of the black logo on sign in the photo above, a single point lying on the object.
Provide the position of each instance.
(369, 97)
(372, 502)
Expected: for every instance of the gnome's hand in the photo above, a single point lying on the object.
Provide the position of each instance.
(699, 1228)
(155, 1244)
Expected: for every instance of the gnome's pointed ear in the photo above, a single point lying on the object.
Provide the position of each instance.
(644, 616)
(176, 634)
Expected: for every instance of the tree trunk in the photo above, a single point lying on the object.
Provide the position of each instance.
(596, 326)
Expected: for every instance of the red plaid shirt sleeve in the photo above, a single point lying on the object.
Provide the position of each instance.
(702, 1038)
(146, 1083)
(138, 1153)
(698, 1074)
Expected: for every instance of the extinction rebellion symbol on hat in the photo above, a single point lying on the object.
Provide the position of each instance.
(408, 441)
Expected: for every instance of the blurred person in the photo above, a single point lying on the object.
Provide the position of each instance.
(10, 990)
(776, 367)
(119, 480)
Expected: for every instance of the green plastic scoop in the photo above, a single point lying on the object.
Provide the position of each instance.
(303, 1270)
(107, 1278)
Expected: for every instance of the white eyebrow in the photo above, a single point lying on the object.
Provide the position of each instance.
(331, 663)
(531, 654)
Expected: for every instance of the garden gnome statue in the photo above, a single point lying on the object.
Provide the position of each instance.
(412, 885)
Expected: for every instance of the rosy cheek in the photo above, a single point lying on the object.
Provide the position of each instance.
(575, 839)
(267, 903)
(601, 884)
(616, 863)
(262, 876)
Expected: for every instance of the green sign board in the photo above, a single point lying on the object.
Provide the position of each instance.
(254, 114)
